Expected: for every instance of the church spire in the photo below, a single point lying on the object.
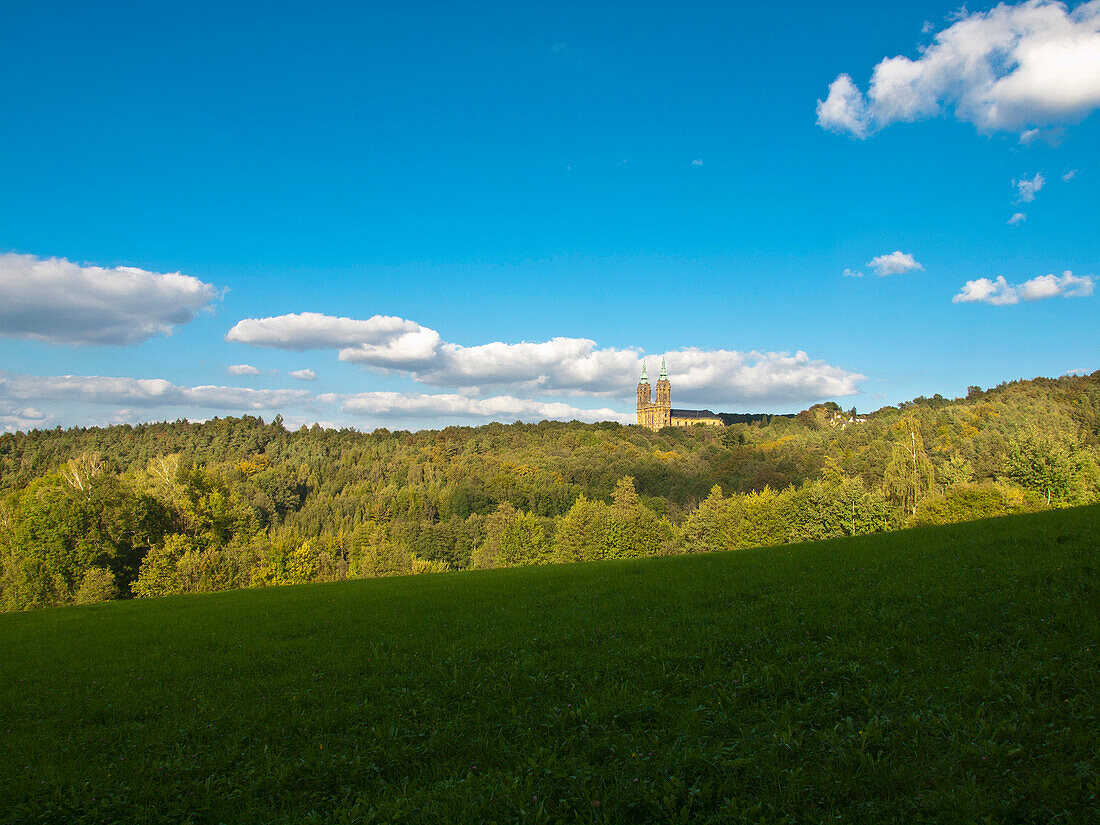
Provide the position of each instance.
(645, 377)
(664, 373)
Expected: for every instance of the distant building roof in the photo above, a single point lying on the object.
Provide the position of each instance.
(693, 414)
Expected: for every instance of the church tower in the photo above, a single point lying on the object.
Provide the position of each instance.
(645, 403)
(663, 402)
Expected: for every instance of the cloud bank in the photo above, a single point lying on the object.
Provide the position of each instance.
(60, 302)
(1000, 292)
(561, 366)
(1013, 68)
(22, 395)
(143, 392)
(452, 405)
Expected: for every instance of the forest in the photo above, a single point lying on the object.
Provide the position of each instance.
(94, 514)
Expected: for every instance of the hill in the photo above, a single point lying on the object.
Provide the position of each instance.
(940, 674)
(102, 513)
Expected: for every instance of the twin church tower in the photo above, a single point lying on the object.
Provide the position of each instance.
(655, 413)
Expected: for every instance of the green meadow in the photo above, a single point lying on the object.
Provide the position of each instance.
(941, 674)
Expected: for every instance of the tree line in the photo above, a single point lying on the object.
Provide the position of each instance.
(91, 514)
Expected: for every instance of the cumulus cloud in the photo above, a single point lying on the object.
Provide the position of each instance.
(999, 292)
(848, 273)
(565, 366)
(312, 330)
(844, 109)
(1017, 217)
(27, 418)
(61, 302)
(452, 405)
(304, 375)
(242, 369)
(894, 263)
(1013, 68)
(1026, 189)
(730, 377)
(142, 392)
(1070, 175)
(570, 366)
(697, 162)
(134, 399)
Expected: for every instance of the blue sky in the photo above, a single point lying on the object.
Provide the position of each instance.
(452, 213)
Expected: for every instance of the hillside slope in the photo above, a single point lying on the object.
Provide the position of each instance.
(938, 674)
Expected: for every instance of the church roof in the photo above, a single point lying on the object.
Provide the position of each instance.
(693, 414)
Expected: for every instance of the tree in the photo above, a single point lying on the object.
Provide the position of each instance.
(512, 538)
(98, 585)
(706, 530)
(909, 476)
(159, 574)
(1056, 469)
(582, 533)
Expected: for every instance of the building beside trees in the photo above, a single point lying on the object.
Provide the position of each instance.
(656, 413)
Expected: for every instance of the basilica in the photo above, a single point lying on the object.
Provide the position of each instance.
(655, 413)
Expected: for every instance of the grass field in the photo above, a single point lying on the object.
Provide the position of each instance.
(935, 675)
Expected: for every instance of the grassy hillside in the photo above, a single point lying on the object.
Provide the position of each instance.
(939, 674)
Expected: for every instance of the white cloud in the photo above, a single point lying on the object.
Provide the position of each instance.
(142, 392)
(1026, 190)
(847, 273)
(576, 367)
(55, 300)
(894, 263)
(983, 290)
(726, 377)
(28, 418)
(304, 375)
(242, 369)
(405, 351)
(448, 406)
(844, 109)
(1000, 292)
(697, 162)
(1013, 68)
(312, 330)
(1017, 217)
(1070, 175)
(571, 366)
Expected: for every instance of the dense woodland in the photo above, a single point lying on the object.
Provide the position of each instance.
(134, 511)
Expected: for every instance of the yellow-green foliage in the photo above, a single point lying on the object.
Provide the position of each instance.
(967, 502)
(97, 585)
(159, 575)
(180, 507)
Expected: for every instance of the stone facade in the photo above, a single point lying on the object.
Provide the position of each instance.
(656, 413)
